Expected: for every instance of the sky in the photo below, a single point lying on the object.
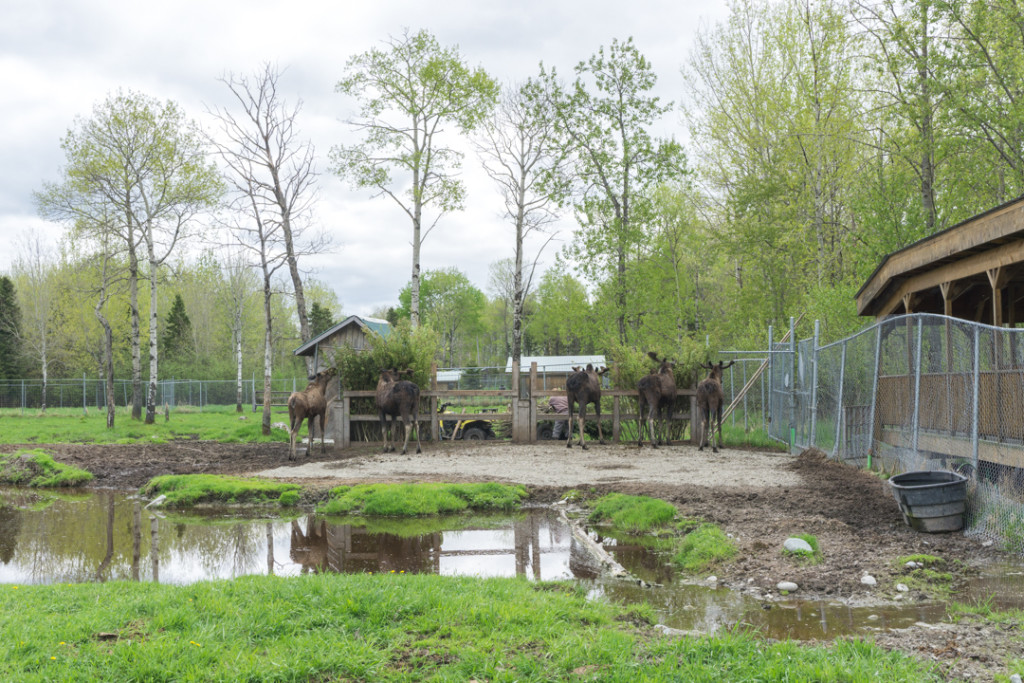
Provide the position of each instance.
(60, 58)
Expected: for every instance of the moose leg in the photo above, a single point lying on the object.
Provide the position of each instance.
(384, 429)
(568, 440)
(323, 448)
(416, 426)
(666, 426)
(703, 440)
(720, 425)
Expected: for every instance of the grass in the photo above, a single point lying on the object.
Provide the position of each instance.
(703, 548)
(803, 557)
(392, 627)
(410, 500)
(37, 468)
(185, 490)
(213, 423)
(632, 514)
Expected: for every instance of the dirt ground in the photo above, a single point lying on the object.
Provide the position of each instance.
(760, 498)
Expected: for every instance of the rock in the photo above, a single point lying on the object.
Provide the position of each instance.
(898, 596)
(868, 580)
(798, 545)
(988, 544)
(913, 565)
(787, 586)
(711, 580)
(902, 587)
(157, 501)
(1015, 678)
(280, 425)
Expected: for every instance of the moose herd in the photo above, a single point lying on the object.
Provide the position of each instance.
(398, 399)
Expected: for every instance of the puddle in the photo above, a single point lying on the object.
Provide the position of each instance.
(104, 535)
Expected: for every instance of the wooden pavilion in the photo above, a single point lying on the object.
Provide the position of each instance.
(973, 271)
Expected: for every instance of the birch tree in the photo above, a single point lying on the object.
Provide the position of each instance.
(407, 93)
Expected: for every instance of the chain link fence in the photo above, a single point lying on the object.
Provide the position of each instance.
(915, 392)
(27, 394)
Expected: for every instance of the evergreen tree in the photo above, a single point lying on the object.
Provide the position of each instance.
(10, 330)
(320, 319)
(177, 341)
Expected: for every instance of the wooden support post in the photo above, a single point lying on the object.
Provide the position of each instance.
(694, 419)
(533, 403)
(616, 426)
(346, 421)
(435, 425)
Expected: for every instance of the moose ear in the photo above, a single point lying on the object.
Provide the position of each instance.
(729, 364)
(653, 356)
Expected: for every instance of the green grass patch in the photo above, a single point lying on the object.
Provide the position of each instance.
(632, 514)
(926, 560)
(411, 500)
(805, 558)
(703, 548)
(185, 490)
(37, 468)
(387, 627)
(213, 423)
(983, 610)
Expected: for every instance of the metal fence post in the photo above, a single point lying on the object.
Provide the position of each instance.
(770, 406)
(746, 426)
(85, 406)
(874, 391)
(814, 385)
(975, 390)
(839, 403)
(917, 386)
(791, 368)
(732, 391)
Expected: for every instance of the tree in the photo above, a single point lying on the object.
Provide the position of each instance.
(452, 306)
(282, 169)
(320, 319)
(177, 338)
(136, 170)
(36, 272)
(615, 164)
(407, 93)
(10, 330)
(519, 149)
(236, 291)
(561, 322)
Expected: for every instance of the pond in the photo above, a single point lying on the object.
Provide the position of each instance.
(73, 537)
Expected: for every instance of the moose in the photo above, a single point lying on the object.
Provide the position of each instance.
(657, 393)
(583, 387)
(710, 400)
(398, 398)
(309, 403)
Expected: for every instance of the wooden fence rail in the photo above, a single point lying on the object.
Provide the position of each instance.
(341, 417)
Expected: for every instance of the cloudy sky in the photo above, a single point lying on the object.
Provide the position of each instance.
(58, 58)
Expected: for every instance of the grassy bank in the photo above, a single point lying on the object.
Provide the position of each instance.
(390, 627)
(217, 423)
(186, 490)
(37, 469)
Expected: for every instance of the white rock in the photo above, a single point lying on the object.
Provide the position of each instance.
(712, 580)
(798, 545)
(1015, 678)
(868, 580)
(902, 587)
(157, 501)
(898, 596)
(787, 586)
(988, 544)
(912, 565)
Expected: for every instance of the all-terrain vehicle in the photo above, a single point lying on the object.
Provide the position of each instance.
(471, 430)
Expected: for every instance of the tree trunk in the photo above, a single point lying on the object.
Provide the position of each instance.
(238, 365)
(268, 369)
(108, 362)
(154, 321)
(293, 269)
(136, 341)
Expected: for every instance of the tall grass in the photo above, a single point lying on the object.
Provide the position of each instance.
(410, 500)
(393, 627)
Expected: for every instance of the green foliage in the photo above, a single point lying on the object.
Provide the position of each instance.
(320, 319)
(177, 337)
(632, 514)
(408, 500)
(703, 548)
(388, 627)
(36, 468)
(404, 347)
(185, 490)
(630, 364)
(450, 304)
(10, 331)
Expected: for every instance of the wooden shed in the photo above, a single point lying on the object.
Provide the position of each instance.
(971, 271)
(353, 332)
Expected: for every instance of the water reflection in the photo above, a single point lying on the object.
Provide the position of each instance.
(102, 536)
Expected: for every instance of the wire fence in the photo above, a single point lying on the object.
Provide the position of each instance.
(87, 393)
(915, 392)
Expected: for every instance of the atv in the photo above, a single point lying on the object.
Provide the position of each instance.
(470, 430)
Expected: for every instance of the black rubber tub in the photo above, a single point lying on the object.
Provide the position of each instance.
(932, 501)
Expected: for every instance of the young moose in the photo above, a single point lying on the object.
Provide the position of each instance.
(657, 393)
(310, 403)
(710, 400)
(583, 387)
(396, 398)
